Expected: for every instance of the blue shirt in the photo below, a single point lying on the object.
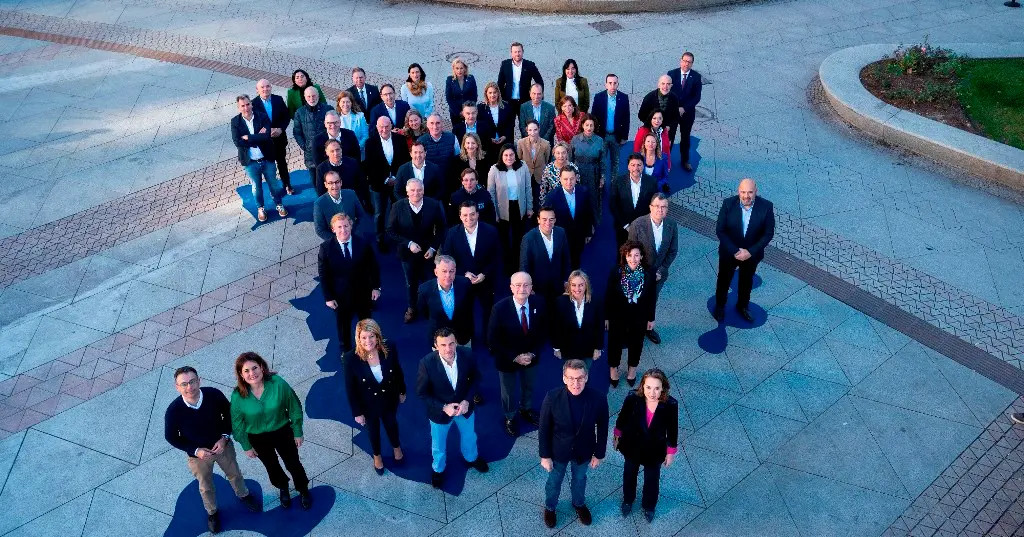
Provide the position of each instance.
(609, 125)
(570, 200)
(745, 212)
(447, 300)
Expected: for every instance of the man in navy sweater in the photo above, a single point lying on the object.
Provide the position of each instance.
(199, 423)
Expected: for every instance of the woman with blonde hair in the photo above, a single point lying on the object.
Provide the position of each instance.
(549, 180)
(414, 127)
(655, 162)
(578, 332)
(459, 88)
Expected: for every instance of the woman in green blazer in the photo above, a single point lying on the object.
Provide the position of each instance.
(300, 81)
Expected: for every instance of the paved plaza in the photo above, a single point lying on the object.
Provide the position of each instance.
(869, 397)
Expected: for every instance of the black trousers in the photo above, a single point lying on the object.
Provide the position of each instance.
(389, 420)
(343, 318)
(511, 232)
(727, 265)
(281, 159)
(483, 293)
(416, 270)
(685, 128)
(621, 235)
(652, 477)
(630, 332)
(320, 188)
(280, 442)
(576, 245)
(513, 107)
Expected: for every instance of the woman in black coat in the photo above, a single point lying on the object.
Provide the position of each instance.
(629, 304)
(375, 387)
(647, 434)
(579, 322)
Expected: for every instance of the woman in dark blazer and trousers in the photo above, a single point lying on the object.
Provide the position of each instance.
(459, 88)
(629, 303)
(375, 387)
(578, 335)
(647, 434)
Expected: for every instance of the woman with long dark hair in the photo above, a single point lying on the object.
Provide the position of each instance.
(629, 303)
(571, 83)
(300, 81)
(508, 181)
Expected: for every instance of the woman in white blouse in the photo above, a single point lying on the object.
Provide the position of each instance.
(578, 332)
(352, 118)
(418, 92)
(508, 181)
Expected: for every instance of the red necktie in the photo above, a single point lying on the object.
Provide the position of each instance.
(522, 320)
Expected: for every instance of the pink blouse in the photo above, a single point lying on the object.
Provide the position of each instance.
(650, 417)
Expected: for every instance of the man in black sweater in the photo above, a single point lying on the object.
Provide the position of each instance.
(199, 423)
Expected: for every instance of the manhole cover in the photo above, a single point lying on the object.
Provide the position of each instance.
(468, 57)
(606, 26)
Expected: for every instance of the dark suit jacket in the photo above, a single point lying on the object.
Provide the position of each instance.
(582, 226)
(434, 388)
(559, 440)
(428, 234)
(348, 280)
(365, 394)
(642, 231)
(575, 340)
(687, 94)
(459, 130)
(433, 182)
(372, 95)
(651, 103)
(760, 229)
(546, 121)
(486, 260)
(505, 333)
(351, 174)
(620, 199)
(619, 310)
(456, 96)
(376, 164)
(486, 128)
(429, 305)
(280, 119)
(600, 113)
(647, 444)
(349, 145)
(549, 274)
(529, 75)
(401, 108)
(261, 141)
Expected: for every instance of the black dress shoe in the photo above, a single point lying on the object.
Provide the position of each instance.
(584, 515)
(510, 428)
(649, 515)
(480, 465)
(654, 337)
(549, 518)
(719, 313)
(631, 381)
(250, 503)
(745, 314)
(530, 416)
(687, 167)
(306, 499)
(213, 523)
(436, 479)
(613, 382)
(380, 471)
(626, 509)
(286, 498)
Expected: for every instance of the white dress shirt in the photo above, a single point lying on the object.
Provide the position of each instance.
(418, 172)
(517, 73)
(634, 190)
(549, 244)
(389, 148)
(452, 370)
(378, 373)
(254, 152)
(659, 231)
(512, 181)
(571, 90)
(471, 238)
(578, 306)
(198, 404)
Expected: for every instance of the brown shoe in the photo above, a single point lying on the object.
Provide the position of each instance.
(410, 314)
(281, 211)
(261, 214)
(549, 518)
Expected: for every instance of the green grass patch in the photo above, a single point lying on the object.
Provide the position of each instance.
(992, 94)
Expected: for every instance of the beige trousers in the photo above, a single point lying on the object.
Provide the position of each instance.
(203, 470)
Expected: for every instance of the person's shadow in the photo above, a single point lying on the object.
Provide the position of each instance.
(189, 519)
(299, 205)
(716, 340)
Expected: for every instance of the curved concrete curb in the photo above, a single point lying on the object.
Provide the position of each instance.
(840, 78)
(591, 6)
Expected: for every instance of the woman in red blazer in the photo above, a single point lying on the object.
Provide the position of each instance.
(654, 124)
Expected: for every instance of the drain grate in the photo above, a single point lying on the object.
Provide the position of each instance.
(605, 26)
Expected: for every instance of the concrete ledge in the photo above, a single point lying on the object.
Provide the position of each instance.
(590, 6)
(991, 160)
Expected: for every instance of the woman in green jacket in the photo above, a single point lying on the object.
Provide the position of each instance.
(300, 81)
(266, 419)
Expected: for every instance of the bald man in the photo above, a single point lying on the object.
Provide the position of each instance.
(662, 99)
(309, 122)
(275, 108)
(746, 224)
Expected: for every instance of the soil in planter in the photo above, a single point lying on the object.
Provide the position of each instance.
(946, 109)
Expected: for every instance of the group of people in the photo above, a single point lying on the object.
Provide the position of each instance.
(528, 224)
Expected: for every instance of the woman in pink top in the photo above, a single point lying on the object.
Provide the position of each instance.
(647, 434)
(654, 125)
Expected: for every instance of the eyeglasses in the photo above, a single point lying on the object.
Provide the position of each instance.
(188, 383)
(575, 379)
(332, 123)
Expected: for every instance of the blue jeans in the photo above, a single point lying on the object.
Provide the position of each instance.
(439, 439)
(258, 171)
(577, 483)
(381, 207)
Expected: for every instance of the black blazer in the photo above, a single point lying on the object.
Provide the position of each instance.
(505, 333)
(760, 229)
(579, 228)
(549, 275)
(647, 444)
(428, 303)
(620, 310)
(486, 260)
(529, 75)
(620, 199)
(599, 110)
(434, 388)
(559, 440)
(349, 145)
(482, 198)
(456, 96)
(433, 181)
(487, 129)
(261, 141)
(428, 234)
(365, 394)
(376, 164)
(576, 341)
(687, 94)
(401, 108)
(651, 103)
(349, 170)
(348, 280)
(372, 95)
(280, 117)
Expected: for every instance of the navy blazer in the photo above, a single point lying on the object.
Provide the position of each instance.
(261, 141)
(347, 280)
(486, 260)
(280, 117)
(527, 77)
(549, 274)
(372, 95)
(365, 394)
(575, 340)
(349, 145)
(350, 172)
(559, 440)
(377, 167)
(505, 333)
(486, 128)
(433, 182)
(760, 229)
(687, 94)
(401, 108)
(582, 226)
(428, 303)
(620, 199)
(428, 234)
(599, 110)
(456, 96)
(643, 443)
(434, 388)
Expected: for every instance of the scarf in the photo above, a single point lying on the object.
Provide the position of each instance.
(417, 88)
(632, 282)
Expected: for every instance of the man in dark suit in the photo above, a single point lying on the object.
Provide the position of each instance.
(474, 246)
(540, 111)
(273, 107)
(250, 133)
(573, 433)
(746, 224)
(469, 115)
(686, 86)
(386, 151)
(662, 99)
(446, 381)
(389, 106)
(611, 112)
(515, 77)
(420, 168)
(659, 237)
(417, 226)
(544, 255)
(630, 196)
(348, 170)
(349, 276)
(367, 95)
(336, 200)
(334, 131)
(447, 301)
(574, 212)
(516, 335)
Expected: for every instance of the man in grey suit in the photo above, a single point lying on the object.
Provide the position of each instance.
(540, 110)
(660, 239)
(335, 200)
